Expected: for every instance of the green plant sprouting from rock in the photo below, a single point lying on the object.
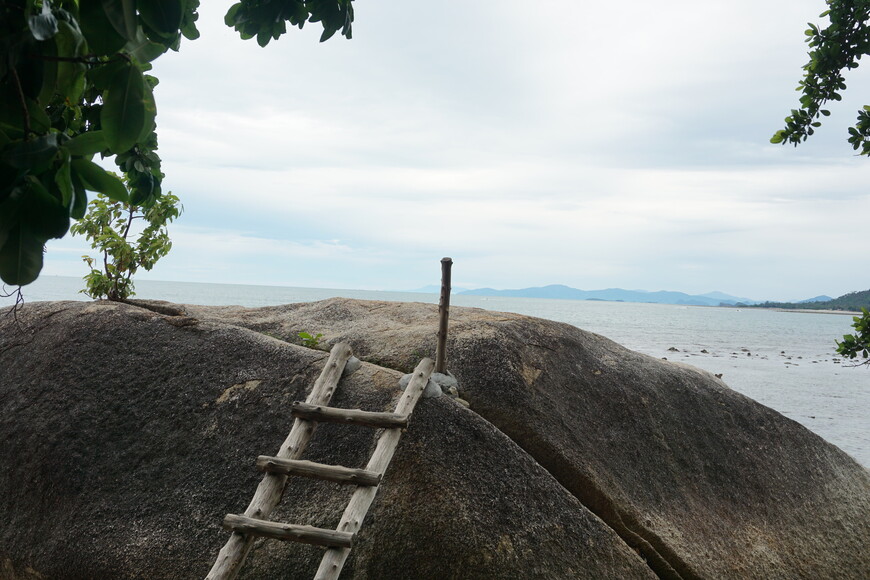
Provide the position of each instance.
(309, 340)
(111, 227)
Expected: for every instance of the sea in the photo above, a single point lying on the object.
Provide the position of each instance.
(783, 359)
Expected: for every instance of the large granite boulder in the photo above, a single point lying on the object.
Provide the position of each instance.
(700, 480)
(127, 434)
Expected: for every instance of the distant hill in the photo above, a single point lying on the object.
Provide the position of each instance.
(563, 292)
(822, 298)
(851, 301)
(728, 298)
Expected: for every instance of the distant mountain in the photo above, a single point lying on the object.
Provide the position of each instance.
(563, 292)
(728, 298)
(821, 298)
(854, 301)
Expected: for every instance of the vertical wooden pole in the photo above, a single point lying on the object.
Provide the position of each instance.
(444, 315)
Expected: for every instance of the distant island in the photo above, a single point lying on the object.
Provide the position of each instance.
(560, 291)
(853, 301)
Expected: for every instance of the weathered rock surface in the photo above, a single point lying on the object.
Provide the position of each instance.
(126, 435)
(702, 481)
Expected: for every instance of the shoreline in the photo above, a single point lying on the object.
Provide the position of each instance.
(815, 311)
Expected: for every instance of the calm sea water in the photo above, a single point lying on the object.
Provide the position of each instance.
(785, 360)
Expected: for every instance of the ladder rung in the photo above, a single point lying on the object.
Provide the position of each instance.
(348, 416)
(304, 468)
(288, 532)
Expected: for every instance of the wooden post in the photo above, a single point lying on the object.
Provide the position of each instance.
(444, 315)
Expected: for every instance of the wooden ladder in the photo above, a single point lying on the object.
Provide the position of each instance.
(255, 521)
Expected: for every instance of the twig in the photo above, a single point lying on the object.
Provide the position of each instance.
(129, 222)
(19, 303)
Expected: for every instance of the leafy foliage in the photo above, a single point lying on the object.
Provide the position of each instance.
(858, 343)
(266, 19)
(833, 49)
(74, 84)
(108, 224)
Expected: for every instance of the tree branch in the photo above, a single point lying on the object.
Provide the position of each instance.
(129, 222)
(76, 59)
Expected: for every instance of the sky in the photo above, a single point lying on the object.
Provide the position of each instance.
(590, 144)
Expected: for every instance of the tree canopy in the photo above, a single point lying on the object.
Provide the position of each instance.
(857, 345)
(74, 84)
(833, 50)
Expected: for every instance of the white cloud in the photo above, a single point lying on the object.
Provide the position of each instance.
(590, 144)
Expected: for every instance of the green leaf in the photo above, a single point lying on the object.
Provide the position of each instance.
(9, 210)
(88, 143)
(80, 203)
(143, 50)
(33, 155)
(63, 180)
(122, 15)
(163, 17)
(101, 36)
(150, 114)
(43, 25)
(142, 187)
(230, 18)
(48, 51)
(104, 75)
(123, 117)
(188, 20)
(327, 34)
(778, 137)
(95, 178)
(70, 75)
(21, 257)
(43, 213)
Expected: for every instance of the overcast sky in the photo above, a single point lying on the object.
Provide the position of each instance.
(589, 144)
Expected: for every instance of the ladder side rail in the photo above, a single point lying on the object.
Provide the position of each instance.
(351, 521)
(271, 488)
